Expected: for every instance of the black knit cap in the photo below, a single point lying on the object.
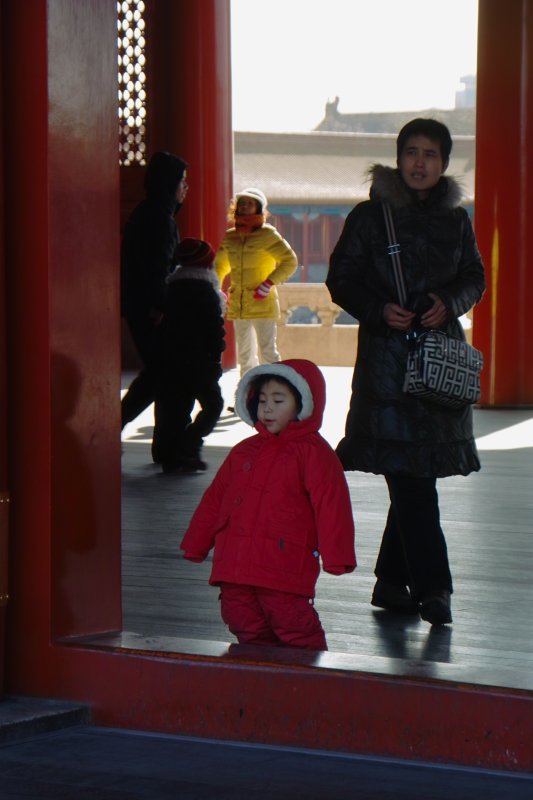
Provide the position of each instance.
(194, 253)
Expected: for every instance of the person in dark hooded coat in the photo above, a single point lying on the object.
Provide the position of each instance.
(148, 251)
(410, 441)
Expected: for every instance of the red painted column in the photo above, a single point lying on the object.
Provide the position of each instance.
(83, 247)
(190, 109)
(4, 495)
(305, 248)
(62, 276)
(504, 199)
(190, 105)
(25, 104)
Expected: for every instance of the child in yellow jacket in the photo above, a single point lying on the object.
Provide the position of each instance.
(257, 258)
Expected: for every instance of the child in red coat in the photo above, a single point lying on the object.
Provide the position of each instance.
(278, 505)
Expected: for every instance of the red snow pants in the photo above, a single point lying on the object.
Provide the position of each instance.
(267, 617)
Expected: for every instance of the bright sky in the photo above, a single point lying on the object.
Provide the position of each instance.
(289, 57)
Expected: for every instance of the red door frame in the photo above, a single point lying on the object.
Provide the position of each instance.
(61, 256)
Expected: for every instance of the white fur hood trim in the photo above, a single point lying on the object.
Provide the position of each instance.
(275, 370)
(196, 273)
(200, 274)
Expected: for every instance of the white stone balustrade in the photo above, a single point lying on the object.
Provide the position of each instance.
(325, 343)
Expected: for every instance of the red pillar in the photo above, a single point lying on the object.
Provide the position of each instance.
(190, 107)
(26, 265)
(61, 178)
(4, 496)
(305, 249)
(190, 110)
(504, 199)
(83, 252)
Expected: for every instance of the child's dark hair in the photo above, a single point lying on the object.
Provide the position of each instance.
(430, 128)
(254, 390)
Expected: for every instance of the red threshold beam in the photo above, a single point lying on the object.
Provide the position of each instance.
(263, 696)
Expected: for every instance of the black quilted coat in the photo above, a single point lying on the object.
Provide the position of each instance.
(150, 239)
(388, 431)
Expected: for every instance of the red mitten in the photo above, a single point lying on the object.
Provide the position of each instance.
(193, 557)
(338, 569)
(263, 289)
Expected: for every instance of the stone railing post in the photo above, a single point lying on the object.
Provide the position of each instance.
(324, 343)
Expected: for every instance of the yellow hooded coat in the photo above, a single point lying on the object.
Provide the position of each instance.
(250, 259)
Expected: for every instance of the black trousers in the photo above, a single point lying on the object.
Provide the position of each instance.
(142, 390)
(413, 549)
(175, 436)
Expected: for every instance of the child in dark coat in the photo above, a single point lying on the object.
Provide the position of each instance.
(193, 342)
(278, 506)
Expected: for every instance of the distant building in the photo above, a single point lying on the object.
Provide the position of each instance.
(466, 98)
(460, 120)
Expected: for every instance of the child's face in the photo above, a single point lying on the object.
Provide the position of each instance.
(277, 406)
(247, 206)
(421, 164)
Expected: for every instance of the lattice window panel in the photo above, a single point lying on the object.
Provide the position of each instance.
(131, 40)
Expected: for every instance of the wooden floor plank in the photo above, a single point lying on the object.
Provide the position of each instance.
(488, 520)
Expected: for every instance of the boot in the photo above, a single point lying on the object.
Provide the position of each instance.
(435, 607)
(393, 598)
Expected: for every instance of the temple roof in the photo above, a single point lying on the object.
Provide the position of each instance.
(328, 167)
(461, 121)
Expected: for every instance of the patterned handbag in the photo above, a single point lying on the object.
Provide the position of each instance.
(443, 369)
(440, 368)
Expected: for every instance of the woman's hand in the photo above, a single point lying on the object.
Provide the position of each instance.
(437, 314)
(397, 317)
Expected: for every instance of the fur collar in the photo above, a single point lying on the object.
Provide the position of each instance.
(388, 185)
(200, 274)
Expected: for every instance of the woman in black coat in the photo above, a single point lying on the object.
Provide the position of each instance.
(408, 440)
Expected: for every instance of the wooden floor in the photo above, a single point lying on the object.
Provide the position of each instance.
(488, 521)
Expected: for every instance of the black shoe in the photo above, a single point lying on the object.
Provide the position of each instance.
(231, 409)
(393, 598)
(193, 464)
(184, 464)
(435, 608)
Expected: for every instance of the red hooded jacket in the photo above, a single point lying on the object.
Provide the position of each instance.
(279, 503)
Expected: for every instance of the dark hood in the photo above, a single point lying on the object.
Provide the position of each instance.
(163, 174)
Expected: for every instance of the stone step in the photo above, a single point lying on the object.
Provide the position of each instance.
(24, 717)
